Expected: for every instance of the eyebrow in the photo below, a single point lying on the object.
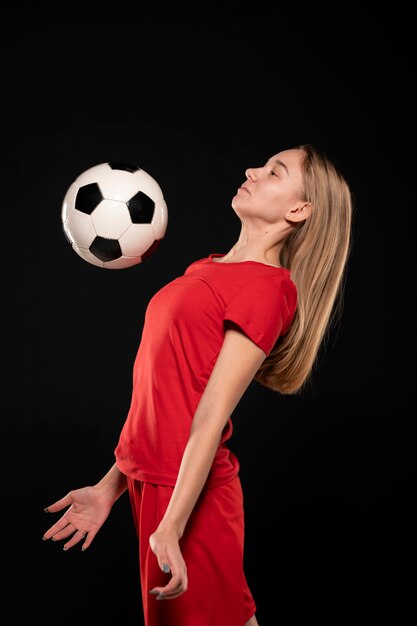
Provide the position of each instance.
(278, 162)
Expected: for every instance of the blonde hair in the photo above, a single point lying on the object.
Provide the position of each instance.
(316, 254)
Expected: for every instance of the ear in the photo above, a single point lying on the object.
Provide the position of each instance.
(299, 213)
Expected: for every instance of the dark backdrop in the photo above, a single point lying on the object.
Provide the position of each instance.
(195, 101)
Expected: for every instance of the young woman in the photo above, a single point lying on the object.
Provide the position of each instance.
(259, 312)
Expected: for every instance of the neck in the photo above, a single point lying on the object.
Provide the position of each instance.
(256, 247)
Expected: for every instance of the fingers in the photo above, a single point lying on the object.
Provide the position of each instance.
(176, 586)
(82, 519)
(168, 592)
(164, 544)
(78, 536)
(55, 532)
(59, 504)
(62, 529)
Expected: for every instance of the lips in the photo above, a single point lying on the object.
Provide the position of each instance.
(243, 188)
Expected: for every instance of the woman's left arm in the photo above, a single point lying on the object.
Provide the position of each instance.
(236, 365)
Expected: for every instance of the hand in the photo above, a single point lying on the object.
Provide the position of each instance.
(164, 543)
(88, 510)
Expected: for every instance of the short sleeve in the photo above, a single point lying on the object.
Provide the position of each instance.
(264, 309)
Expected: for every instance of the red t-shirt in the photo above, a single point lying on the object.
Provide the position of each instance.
(183, 332)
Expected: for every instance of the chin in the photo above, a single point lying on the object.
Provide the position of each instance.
(233, 205)
(235, 202)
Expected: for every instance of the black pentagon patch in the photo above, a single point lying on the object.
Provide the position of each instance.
(126, 167)
(151, 249)
(141, 208)
(87, 198)
(106, 249)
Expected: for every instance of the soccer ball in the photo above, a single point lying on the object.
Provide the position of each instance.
(114, 215)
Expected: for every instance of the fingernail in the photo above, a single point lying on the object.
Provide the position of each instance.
(153, 591)
(165, 568)
(46, 510)
(65, 548)
(161, 596)
(44, 538)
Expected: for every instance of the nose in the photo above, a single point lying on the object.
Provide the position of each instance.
(250, 174)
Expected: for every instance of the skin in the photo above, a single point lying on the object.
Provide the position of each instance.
(270, 205)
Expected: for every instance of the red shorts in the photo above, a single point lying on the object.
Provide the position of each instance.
(212, 547)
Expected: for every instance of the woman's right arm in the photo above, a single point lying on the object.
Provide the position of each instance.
(88, 509)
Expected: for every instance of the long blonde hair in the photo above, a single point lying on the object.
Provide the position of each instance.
(316, 254)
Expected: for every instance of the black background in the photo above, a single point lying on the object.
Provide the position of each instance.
(327, 475)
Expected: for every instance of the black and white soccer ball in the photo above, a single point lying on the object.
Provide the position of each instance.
(114, 215)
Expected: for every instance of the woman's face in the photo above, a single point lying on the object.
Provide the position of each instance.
(273, 192)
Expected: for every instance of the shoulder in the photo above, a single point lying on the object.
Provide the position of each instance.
(278, 279)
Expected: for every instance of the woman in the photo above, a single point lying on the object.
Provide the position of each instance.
(260, 312)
